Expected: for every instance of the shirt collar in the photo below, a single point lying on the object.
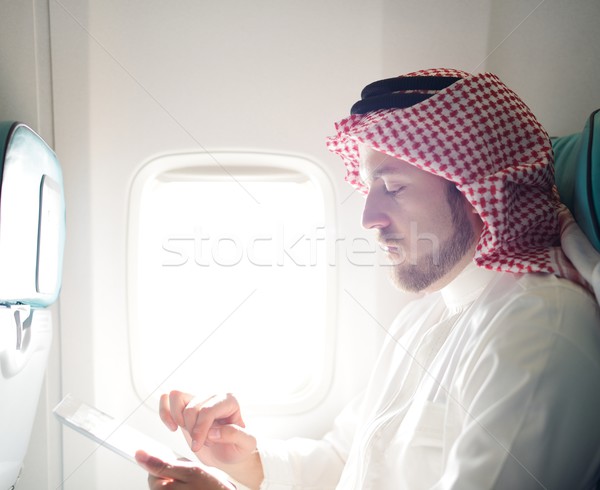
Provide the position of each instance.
(466, 287)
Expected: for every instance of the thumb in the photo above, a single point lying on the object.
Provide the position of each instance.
(155, 466)
(232, 434)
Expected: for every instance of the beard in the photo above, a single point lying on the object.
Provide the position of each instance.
(415, 276)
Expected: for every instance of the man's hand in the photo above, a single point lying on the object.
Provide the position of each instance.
(214, 427)
(181, 476)
(215, 431)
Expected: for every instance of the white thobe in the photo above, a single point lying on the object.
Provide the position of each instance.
(493, 382)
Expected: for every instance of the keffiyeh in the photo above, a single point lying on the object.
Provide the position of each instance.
(478, 134)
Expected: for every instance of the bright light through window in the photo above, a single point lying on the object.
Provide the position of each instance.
(230, 278)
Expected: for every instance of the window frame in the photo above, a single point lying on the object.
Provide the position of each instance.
(212, 163)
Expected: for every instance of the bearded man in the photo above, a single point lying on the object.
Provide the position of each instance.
(490, 380)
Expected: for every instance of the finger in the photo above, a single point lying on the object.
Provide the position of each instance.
(191, 412)
(153, 465)
(158, 468)
(178, 401)
(164, 411)
(164, 475)
(225, 409)
(198, 416)
(212, 412)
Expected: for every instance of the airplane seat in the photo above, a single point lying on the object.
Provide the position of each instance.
(32, 231)
(577, 174)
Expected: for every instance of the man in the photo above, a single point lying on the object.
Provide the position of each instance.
(491, 379)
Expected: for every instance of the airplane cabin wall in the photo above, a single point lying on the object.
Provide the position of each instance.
(547, 52)
(134, 80)
(26, 96)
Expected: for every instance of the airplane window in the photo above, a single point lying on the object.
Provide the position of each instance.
(230, 276)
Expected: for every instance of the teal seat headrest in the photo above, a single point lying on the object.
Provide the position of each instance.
(32, 218)
(577, 174)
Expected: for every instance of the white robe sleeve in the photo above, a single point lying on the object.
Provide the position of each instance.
(530, 399)
(309, 464)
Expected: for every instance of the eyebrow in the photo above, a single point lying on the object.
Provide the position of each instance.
(381, 170)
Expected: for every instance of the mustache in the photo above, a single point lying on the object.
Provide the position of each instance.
(389, 241)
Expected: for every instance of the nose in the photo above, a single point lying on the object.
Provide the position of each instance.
(374, 214)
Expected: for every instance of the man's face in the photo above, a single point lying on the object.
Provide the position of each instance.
(427, 228)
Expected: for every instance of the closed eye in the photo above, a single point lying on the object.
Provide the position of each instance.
(395, 190)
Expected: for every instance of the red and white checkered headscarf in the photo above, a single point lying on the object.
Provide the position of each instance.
(478, 134)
